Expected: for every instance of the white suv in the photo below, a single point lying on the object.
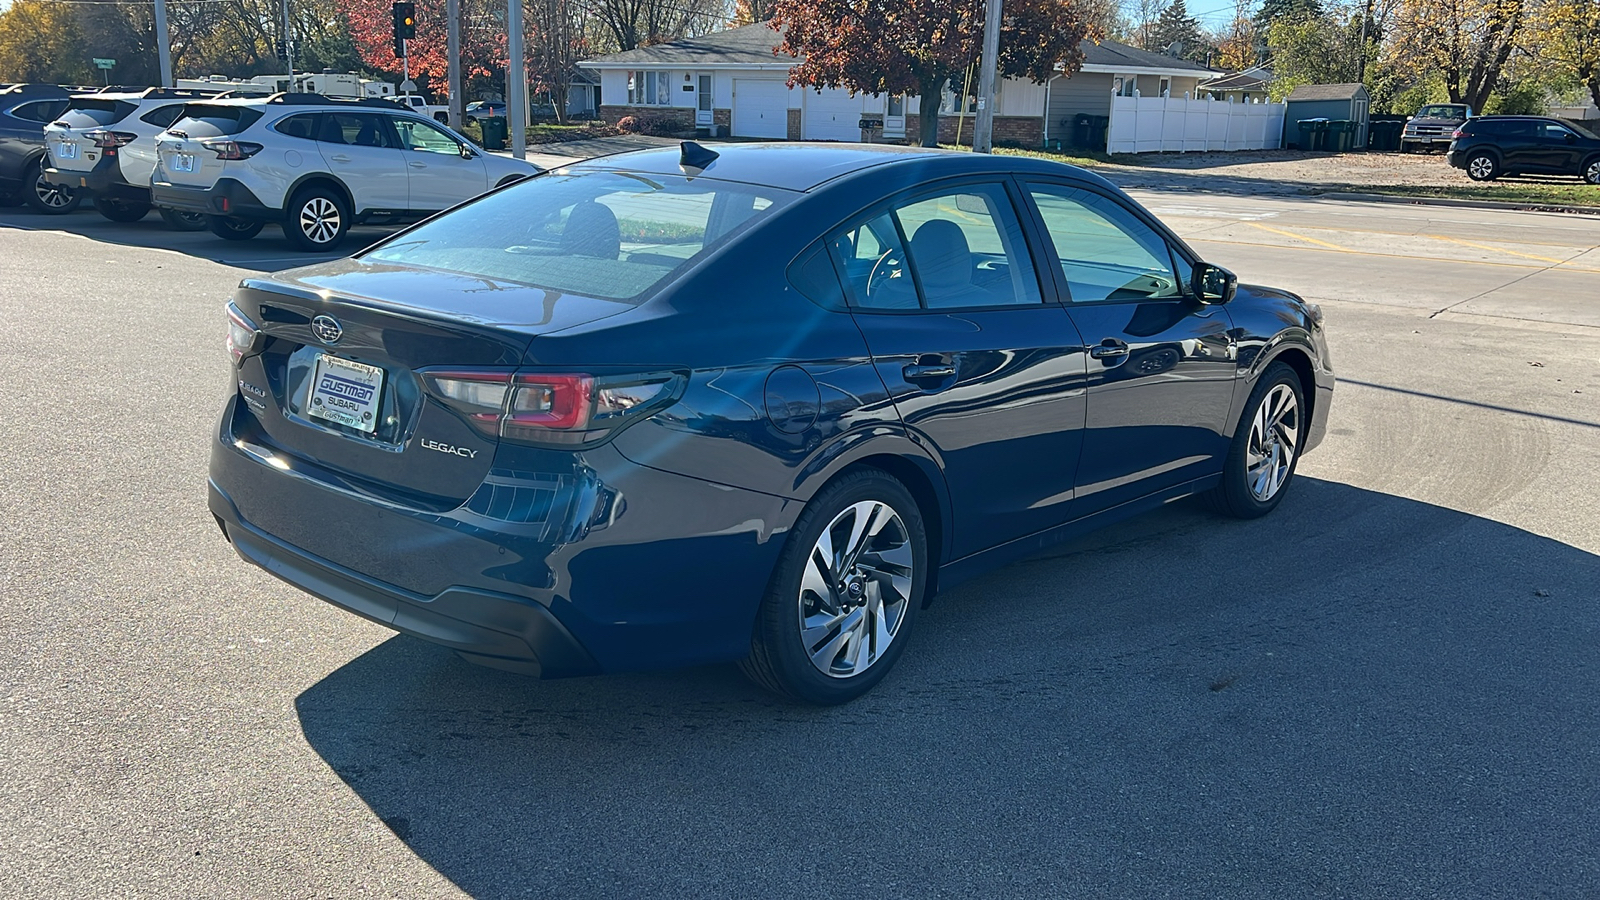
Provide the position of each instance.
(317, 166)
(104, 145)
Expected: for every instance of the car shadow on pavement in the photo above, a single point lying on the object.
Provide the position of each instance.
(1362, 694)
(269, 251)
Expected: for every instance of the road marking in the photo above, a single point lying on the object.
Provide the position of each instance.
(1199, 212)
(1301, 237)
(1332, 249)
(1463, 243)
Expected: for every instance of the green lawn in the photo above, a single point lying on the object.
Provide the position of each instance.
(1575, 193)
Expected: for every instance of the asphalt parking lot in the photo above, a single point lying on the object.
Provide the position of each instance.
(1389, 688)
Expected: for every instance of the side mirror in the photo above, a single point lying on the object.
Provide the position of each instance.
(1213, 284)
(1571, 138)
(467, 152)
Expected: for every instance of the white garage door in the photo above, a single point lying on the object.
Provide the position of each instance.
(760, 109)
(832, 116)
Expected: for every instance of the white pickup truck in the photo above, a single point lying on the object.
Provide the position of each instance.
(419, 103)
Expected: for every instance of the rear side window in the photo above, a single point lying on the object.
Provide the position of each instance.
(163, 116)
(303, 125)
(94, 113)
(202, 121)
(41, 110)
(610, 235)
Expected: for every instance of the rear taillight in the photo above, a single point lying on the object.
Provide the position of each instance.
(1459, 133)
(242, 335)
(232, 150)
(110, 140)
(552, 409)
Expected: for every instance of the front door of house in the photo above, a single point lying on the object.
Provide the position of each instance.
(894, 117)
(702, 106)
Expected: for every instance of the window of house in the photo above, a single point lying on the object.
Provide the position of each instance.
(1124, 86)
(1166, 87)
(650, 88)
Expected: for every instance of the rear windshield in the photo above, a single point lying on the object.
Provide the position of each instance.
(84, 113)
(606, 234)
(202, 121)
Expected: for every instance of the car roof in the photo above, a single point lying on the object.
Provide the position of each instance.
(798, 166)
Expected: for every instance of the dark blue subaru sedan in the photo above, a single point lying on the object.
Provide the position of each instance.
(755, 404)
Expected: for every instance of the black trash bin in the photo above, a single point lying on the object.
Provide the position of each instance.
(494, 133)
(1098, 125)
(1384, 135)
(1313, 134)
(1080, 130)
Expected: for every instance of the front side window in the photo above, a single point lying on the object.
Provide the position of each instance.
(1553, 131)
(417, 134)
(610, 235)
(957, 249)
(356, 130)
(1106, 253)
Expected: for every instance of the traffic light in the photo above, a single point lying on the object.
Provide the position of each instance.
(405, 20)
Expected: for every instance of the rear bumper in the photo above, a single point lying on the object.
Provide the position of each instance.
(227, 197)
(609, 566)
(104, 180)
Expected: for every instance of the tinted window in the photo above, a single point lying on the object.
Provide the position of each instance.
(303, 125)
(1106, 253)
(87, 113)
(963, 248)
(602, 234)
(163, 116)
(356, 130)
(203, 121)
(416, 134)
(1441, 112)
(40, 110)
(1554, 131)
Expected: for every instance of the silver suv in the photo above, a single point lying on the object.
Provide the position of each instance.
(317, 166)
(104, 146)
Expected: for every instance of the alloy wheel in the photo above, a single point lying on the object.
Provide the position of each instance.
(1480, 167)
(319, 220)
(1592, 173)
(855, 589)
(1274, 439)
(51, 195)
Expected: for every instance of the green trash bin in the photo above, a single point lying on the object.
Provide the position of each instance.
(1097, 132)
(1341, 135)
(1313, 134)
(494, 133)
(1384, 135)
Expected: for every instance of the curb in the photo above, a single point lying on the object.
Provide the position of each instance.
(1470, 204)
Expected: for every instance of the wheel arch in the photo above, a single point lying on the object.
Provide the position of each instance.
(1296, 358)
(311, 179)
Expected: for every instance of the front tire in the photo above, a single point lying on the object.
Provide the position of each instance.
(1483, 167)
(1591, 171)
(44, 197)
(1266, 446)
(234, 228)
(843, 597)
(184, 221)
(317, 220)
(121, 210)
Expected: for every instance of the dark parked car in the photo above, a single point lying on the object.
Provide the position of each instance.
(24, 111)
(485, 109)
(654, 410)
(1492, 146)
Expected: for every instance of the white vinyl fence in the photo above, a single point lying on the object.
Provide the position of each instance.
(1172, 124)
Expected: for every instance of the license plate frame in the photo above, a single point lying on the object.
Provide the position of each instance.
(68, 150)
(183, 162)
(345, 392)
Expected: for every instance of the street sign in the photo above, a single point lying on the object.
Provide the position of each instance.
(408, 87)
(104, 63)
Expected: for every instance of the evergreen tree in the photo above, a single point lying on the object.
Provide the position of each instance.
(1177, 32)
(1274, 10)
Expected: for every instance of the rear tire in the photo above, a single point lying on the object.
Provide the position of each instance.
(840, 605)
(1266, 446)
(44, 197)
(183, 221)
(316, 220)
(1591, 171)
(121, 210)
(1483, 167)
(233, 228)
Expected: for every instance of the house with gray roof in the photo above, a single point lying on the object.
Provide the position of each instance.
(733, 83)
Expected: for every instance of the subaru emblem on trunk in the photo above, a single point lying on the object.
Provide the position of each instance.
(327, 329)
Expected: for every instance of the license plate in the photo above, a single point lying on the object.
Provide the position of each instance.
(183, 162)
(345, 393)
(67, 151)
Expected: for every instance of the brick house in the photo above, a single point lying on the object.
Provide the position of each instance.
(733, 83)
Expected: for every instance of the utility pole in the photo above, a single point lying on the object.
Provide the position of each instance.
(983, 129)
(1361, 67)
(517, 75)
(453, 51)
(288, 44)
(163, 44)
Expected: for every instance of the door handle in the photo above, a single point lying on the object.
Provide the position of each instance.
(339, 158)
(929, 373)
(1110, 348)
(419, 165)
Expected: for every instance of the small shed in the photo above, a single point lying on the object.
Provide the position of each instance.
(1327, 101)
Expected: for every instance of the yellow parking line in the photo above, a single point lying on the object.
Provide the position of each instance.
(1452, 240)
(1300, 237)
